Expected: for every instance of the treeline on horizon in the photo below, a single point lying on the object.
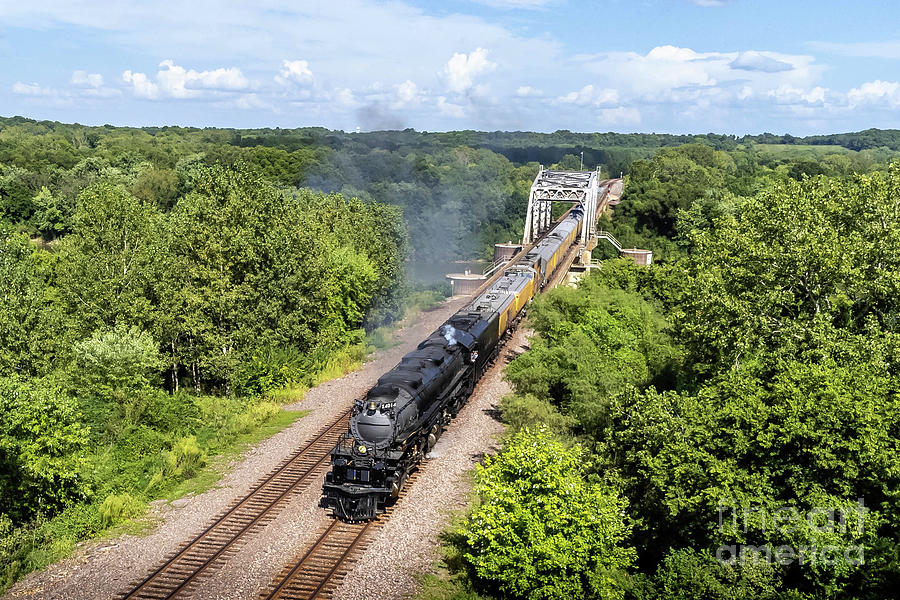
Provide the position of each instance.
(295, 138)
(459, 191)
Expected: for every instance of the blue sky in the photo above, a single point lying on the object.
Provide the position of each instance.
(679, 66)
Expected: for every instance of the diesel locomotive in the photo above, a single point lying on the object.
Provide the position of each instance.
(400, 419)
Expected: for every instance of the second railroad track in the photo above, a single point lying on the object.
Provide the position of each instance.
(193, 559)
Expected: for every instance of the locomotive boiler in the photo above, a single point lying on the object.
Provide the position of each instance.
(400, 419)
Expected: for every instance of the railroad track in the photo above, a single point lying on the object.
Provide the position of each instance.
(320, 570)
(182, 570)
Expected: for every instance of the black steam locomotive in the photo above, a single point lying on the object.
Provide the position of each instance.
(401, 418)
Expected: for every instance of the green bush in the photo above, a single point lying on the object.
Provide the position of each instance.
(691, 575)
(338, 364)
(118, 508)
(183, 460)
(541, 530)
(42, 444)
(425, 300)
(529, 411)
(270, 369)
(381, 338)
(255, 415)
(188, 456)
(115, 363)
(595, 343)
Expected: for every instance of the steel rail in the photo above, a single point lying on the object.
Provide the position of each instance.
(253, 510)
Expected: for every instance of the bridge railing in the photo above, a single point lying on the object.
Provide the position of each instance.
(492, 268)
(605, 235)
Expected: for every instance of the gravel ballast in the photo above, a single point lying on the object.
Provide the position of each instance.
(408, 545)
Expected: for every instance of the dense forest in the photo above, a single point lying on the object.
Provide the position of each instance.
(723, 424)
(459, 191)
(167, 290)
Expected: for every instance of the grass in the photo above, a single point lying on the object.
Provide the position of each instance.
(212, 473)
(140, 465)
(340, 363)
(420, 302)
(381, 338)
(127, 481)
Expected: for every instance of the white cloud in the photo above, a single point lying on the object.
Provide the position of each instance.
(85, 79)
(462, 69)
(674, 74)
(345, 97)
(589, 96)
(875, 92)
(142, 86)
(64, 97)
(177, 82)
(663, 68)
(407, 93)
(709, 2)
(759, 61)
(450, 109)
(250, 102)
(790, 95)
(526, 91)
(294, 72)
(33, 89)
(621, 115)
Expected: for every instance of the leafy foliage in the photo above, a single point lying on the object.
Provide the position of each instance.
(595, 344)
(42, 445)
(770, 387)
(541, 530)
(115, 363)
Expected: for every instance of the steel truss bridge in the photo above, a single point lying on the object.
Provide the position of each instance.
(583, 188)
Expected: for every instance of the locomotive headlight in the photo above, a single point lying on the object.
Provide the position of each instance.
(362, 449)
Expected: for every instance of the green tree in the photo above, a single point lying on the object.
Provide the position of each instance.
(110, 261)
(156, 186)
(115, 364)
(41, 448)
(692, 575)
(673, 179)
(51, 216)
(594, 343)
(256, 268)
(540, 529)
(27, 326)
(790, 262)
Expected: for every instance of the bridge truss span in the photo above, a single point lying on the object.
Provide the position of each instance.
(576, 187)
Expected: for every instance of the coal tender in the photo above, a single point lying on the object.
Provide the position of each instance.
(401, 418)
